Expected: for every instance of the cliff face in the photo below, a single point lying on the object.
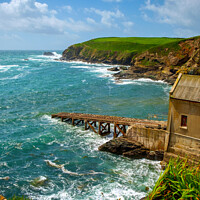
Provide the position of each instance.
(87, 54)
(162, 62)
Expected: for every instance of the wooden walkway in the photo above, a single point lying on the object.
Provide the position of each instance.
(101, 124)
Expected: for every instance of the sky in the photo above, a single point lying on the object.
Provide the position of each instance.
(57, 24)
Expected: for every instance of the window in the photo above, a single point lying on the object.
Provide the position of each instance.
(184, 120)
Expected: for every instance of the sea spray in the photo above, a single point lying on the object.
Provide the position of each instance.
(33, 89)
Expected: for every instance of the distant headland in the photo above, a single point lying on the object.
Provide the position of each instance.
(155, 58)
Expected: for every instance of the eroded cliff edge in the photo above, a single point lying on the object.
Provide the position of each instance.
(147, 58)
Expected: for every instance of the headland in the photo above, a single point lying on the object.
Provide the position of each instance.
(155, 58)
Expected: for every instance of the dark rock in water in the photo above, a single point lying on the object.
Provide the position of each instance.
(130, 148)
(155, 155)
(48, 54)
(137, 153)
(124, 146)
(123, 68)
(114, 69)
(39, 181)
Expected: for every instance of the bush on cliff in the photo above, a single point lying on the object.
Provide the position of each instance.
(179, 181)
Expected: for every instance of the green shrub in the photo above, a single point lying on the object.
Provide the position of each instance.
(179, 181)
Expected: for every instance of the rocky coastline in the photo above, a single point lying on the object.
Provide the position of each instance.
(130, 148)
(161, 63)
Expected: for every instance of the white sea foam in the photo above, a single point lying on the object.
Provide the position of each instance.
(150, 80)
(4, 68)
(117, 191)
(50, 58)
(90, 139)
(88, 63)
(103, 70)
(166, 89)
(57, 54)
(47, 118)
(3, 164)
(66, 171)
(127, 82)
(139, 81)
(100, 70)
(81, 67)
(61, 195)
(138, 173)
(18, 76)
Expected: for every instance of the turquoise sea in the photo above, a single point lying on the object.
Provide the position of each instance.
(32, 145)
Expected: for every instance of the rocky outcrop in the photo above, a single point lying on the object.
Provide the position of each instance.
(159, 63)
(48, 54)
(130, 148)
(114, 69)
(39, 181)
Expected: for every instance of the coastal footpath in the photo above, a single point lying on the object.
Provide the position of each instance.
(155, 58)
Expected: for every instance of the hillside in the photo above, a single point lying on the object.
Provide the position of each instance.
(156, 58)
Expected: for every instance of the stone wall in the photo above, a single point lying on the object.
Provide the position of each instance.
(184, 147)
(151, 138)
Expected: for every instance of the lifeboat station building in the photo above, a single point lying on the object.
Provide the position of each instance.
(183, 128)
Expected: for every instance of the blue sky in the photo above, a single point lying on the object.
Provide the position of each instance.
(56, 24)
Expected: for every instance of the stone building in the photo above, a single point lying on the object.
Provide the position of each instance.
(183, 129)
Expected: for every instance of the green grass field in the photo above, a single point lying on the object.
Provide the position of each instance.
(128, 44)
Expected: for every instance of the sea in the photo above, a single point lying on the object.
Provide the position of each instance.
(65, 159)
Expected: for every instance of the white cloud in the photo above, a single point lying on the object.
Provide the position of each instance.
(68, 8)
(90, 20)
(128, 27)
(35, 17)
(183, 15)
(43, 8)
(107, 17)
(128, 24)
(185, 12)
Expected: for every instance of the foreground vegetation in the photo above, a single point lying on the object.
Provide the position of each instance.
(179, 181)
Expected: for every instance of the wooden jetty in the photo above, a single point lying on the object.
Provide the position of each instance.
(101, 124)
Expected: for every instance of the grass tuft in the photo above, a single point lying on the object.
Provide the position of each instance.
(179, 181)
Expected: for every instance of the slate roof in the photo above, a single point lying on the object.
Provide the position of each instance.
(187, 87)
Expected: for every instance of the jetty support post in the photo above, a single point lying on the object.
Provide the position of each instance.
(90, 125)
(119, 129)
(99, 128)
(104, 128)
